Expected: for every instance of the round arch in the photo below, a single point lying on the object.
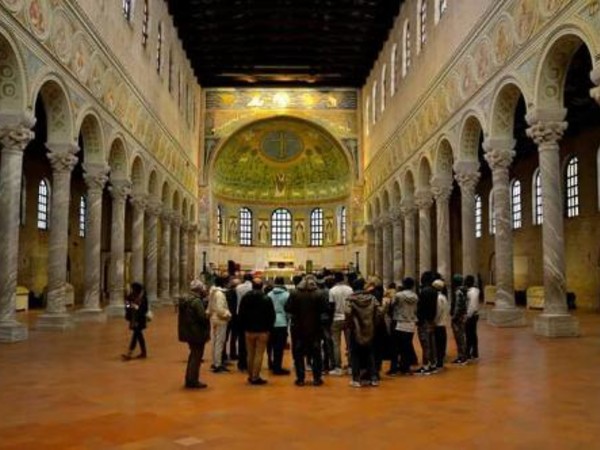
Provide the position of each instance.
(138, 174)
(444, 159)
(470, 135)
(424, 178)
(117, 159)
(56, 103)
(504, 105)
(93, 138)
(13, 82)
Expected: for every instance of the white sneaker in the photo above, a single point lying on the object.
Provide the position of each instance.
(337, 372)
(355, 384)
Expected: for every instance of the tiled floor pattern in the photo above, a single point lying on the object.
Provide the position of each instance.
(72, 391)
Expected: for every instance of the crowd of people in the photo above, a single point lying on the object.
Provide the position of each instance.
(245, 318)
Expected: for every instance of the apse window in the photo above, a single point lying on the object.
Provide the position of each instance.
(538, 207)
(406, 54)
(572, 190)
(422, 24)
(478, 218)
(245, 227)
(43, 205)
(145, 23)
(127, 9)
(281, 228)
(316, 227)
(343, 225)
(219, 225)
(516, 205)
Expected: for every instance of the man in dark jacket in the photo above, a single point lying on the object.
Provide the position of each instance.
(362, 312)
(307, 307)
(256, 317)
(194, 328)
(426, 313)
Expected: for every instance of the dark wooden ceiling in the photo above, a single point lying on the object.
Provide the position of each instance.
(283, 42)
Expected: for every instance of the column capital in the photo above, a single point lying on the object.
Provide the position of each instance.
(120, 189)
(466, 174)
(166, 214)
(139, 200)
(15, 137)
(423, 199)
(499, 153)
(192, 227)
(396, 213)
(386, 219)
(407, 207)
(154, 207)
(63, 161)
(95, 176)
(441, 188)
(595, 94)
(546, 133)
(176, 219)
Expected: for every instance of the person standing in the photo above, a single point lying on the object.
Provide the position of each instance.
(338, 295)
(279, 295)
(404, 314)
(441, 319)
(472, 318)
(361, 314)
(257, 316)
(194, 329)
(241, 290)
(426, 313)
(219, 314)
(136, 308)
(458, 313)
(307, 306)
(233, 332)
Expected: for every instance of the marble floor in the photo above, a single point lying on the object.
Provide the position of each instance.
(71, 390)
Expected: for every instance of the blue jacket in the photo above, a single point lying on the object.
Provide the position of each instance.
(279, 296)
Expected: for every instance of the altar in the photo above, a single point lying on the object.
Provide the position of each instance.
(280, 268)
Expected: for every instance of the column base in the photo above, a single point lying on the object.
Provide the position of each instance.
(13, 331)
(115, 310)
(55, 321)
(556, 325)
(90, 315)
(506, 318)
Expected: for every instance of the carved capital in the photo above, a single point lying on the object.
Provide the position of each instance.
(16, 137)
(396, 213)
(62, 162)
(467, 175)
(547, 133)
(176, 219)
(139, 201)
(423, 199)
(120, 189)
(407, 206)
(154, 206)
(499, 154)
(95, 176)
(441, 188)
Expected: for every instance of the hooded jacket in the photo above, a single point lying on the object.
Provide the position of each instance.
(193, 324)
(279, 296)
(307, 307)
(362, 313)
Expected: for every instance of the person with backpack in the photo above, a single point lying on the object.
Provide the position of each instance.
(194, 329)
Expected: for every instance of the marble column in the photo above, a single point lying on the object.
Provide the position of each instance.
(153, 210)
(424, 202)
(183, 257)
(467, 176)
(379, 248)
(175, 246)
(410, 255)
(119, 192)
(139, 203)
(192, 244)
(62, 159)
(95, 176)
(13, 140)
(164, 259)
(388, 251)
(398, 237)
(499, 154)
(441, 188)
(547, 128)
(370, 234)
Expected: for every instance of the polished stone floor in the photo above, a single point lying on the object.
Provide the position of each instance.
(72, 391)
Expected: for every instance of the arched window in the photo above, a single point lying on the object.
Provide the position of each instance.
(82, 215)
(406, 53)
(491, 210)
(127, 9)
(316, 227)
(478, 219)
(538, 208)
(43, 205)
(245, 227)
(344, 225)
(383, 87)
(393, 69)
(281, 228)
(367, 123)
(572, 187)
(145, 23)
(374, 100)
(422, 21)
(219, 225)
(159, 43)
(440, 9)
(516, 211)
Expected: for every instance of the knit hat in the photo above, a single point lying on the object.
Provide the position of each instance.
(457, 279)
(197, 285)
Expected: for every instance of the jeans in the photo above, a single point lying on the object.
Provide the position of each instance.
(362, 359)
(395, 350)
(192, 371)
(218, 331)
(337, 328)
(138, 336)
(276, 347)
(471, 332)
(441, 340)
(426, 332)
(256, 343)
(458, 328)
(302, 348)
